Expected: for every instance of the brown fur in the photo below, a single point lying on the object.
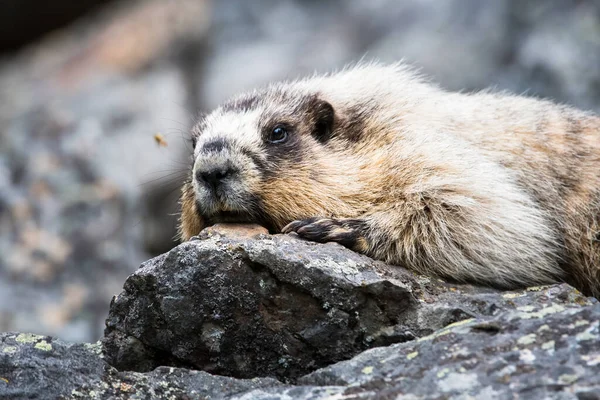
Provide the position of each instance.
(190, 222)
(489, 188)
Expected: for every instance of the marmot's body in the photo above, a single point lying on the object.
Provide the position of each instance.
(488, 188)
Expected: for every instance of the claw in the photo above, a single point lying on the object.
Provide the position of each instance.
(295, 225)
(348, 233)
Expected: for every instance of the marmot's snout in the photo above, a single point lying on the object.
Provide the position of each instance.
(213, 170)
(213, 176)
(220, 183)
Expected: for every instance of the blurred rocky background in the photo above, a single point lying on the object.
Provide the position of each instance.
(97, 96)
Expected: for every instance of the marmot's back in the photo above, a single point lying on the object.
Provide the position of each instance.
(491, 188)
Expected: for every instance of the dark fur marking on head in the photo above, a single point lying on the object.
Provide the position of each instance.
(284, 155)
(353, 123)
(320, 115)
(244, 103)
(215, 145)
(290, 151)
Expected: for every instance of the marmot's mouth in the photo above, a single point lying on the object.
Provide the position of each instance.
(230, 216)
(239, 218)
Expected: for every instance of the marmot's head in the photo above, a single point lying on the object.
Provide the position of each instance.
(268, 157)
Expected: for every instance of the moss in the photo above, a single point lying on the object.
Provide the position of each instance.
(543, 328)
(527, 339)
(538, 288)
(567, 379)
(548, 345)
(460, 323)
(28, 338)
(43, 345)
(10, 349)
(530, 314)
(586, 335)
(443, 373)
(95, 348)
(446, 330)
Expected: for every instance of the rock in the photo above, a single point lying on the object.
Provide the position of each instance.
(240, 231)
(248, 306)
(33, 366)
(538, 351)
(548, 348)
(236, 301)
(271, 306)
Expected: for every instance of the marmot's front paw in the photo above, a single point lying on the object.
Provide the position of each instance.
(347, 232)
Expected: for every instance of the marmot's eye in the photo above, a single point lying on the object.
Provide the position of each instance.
(278, 135)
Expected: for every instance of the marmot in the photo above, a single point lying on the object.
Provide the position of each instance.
(486, 188)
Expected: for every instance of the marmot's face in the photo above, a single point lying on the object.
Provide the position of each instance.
(246, 151)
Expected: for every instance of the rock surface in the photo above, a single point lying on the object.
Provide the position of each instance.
(266, 306)
(243, 303)
(40, 367)
(535, 352)
(260, 305)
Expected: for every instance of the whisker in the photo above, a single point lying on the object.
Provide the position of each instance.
(185, 163)
(174, 176)
(170, 171)
(177, 122)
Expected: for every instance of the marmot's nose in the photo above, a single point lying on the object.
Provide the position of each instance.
(213, 177)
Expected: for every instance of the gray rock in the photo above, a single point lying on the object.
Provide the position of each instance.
(279, 306)
(273, 306)
(535, 352)
(545, 344)
(40, 367)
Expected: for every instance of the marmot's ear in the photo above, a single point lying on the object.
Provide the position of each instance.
(323, 120)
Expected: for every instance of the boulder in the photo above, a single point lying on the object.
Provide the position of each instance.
(276, 313)
(243, 303)
(249, 304)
